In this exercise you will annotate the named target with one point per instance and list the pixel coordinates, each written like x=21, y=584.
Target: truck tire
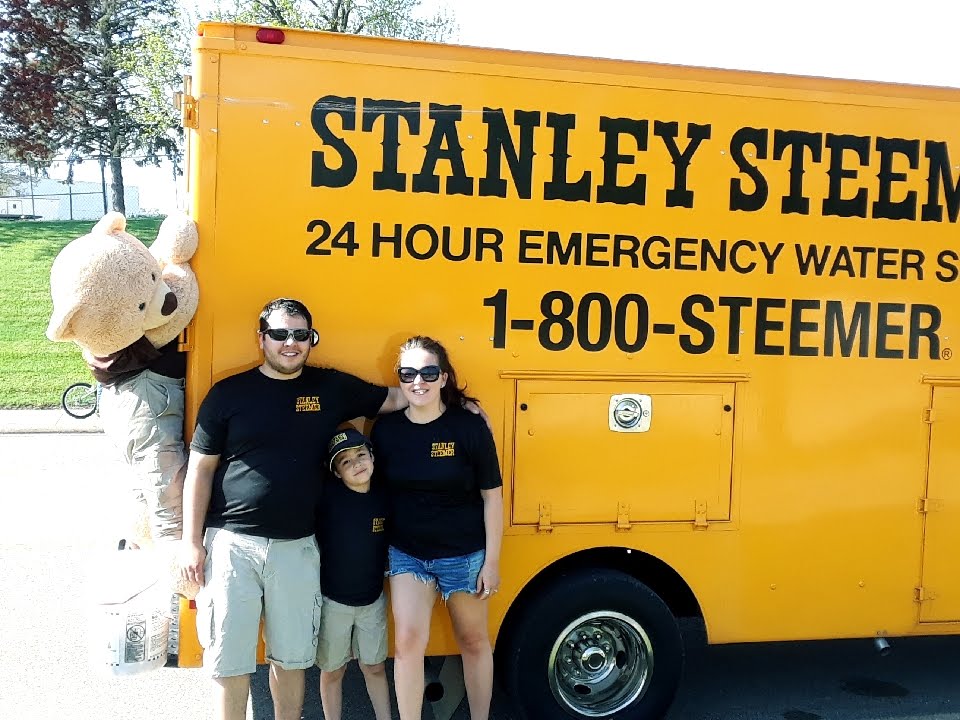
x=594, y=644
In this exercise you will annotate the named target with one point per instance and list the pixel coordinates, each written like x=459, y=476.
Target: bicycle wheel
x=79, y=400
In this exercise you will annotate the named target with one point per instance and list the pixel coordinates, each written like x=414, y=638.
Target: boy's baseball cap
x=346, y=440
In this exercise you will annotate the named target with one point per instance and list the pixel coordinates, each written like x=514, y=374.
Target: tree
x=40, y=65
x=11, y=173
x=87, y=77
x=387, y=18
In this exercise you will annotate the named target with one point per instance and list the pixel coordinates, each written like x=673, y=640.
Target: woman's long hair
x=451, y=394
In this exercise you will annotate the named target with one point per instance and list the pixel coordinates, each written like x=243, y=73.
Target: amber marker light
x=270, y=36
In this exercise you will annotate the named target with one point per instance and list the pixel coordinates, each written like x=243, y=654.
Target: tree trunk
x=116, y=184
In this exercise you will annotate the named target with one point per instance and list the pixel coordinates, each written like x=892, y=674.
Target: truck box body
x=711, y=314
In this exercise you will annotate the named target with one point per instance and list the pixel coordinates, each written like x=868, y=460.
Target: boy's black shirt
x=434, y=473
x=353, y=544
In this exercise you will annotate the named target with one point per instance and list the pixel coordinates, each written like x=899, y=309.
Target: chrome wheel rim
x=600, y=664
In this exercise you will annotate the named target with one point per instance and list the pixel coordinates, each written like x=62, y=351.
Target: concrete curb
x=45, y=421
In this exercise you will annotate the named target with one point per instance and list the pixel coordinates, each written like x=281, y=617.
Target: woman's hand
x=488, y=581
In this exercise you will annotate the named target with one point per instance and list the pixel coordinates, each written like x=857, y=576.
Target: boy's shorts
x=348, y=632
x=452, y=574
x=246, y=576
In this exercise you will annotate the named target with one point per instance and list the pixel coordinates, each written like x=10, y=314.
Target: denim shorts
x=452, y=574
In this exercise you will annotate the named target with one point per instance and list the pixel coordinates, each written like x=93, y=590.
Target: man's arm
x=197, y=487
x=396, y=400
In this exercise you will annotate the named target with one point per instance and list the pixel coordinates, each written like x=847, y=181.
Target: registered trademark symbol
x=946, y=354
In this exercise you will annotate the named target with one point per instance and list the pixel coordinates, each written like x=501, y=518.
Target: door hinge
x=700, y=516
x=187, y=105
x=922, y=594
x=928, y=505
x=185, y=340
x=929, y=415
x=623, y=516
x=544, y=524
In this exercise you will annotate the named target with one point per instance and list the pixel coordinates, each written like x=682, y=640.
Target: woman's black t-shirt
x=271, y=436
x=434, y=472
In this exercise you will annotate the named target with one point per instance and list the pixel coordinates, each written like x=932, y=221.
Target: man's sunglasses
x=428, y=373
x=298, y=334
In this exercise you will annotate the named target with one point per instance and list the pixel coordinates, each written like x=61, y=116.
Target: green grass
x=33, y=370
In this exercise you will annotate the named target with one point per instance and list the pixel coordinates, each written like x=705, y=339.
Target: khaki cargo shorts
x=143, y=417
x=246, y=577
x=348, y=632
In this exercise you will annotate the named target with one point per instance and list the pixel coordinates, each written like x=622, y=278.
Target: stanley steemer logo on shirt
x=308, y=403
x=441, y=449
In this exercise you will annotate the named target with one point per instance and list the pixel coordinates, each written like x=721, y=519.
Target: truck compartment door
x=581, y=451
x=940, y=601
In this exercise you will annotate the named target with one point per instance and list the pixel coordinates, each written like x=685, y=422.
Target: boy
x=353, y=619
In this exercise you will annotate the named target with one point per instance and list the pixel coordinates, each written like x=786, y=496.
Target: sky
x=904, y=41
x=907, y=41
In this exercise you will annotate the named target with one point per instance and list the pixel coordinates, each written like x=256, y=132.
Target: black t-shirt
x=352, y=542
x=271, y=437
x=434, y=473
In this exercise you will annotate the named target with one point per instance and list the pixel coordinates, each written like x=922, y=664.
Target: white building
x=49, y=199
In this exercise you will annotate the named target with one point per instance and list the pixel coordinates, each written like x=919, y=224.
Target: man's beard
x=285, y=369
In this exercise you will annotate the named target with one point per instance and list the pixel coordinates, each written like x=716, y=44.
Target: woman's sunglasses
x=298, y=334
x=428, y=373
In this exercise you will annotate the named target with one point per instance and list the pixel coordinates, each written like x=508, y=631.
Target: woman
x=445, y=525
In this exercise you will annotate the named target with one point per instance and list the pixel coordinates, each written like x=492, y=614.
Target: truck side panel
x=772, y=260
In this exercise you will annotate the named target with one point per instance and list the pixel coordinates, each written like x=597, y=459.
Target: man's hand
x=190, y=559
x=477, y=410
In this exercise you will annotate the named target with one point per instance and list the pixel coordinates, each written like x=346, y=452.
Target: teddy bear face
x=108, y=290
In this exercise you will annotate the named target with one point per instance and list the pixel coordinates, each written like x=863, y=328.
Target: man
x=253, y=479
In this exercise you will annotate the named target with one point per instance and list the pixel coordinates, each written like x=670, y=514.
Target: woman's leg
x=469, y=616
x=412, y=602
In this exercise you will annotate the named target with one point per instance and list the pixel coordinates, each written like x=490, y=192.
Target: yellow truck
x=710, y=314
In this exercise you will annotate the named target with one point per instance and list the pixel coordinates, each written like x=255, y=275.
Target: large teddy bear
x=125, y=306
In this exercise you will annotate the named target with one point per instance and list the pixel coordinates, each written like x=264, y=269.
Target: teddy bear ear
x=59, y=328
x=109, y=224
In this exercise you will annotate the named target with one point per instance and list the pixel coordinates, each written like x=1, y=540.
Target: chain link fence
x=55, y=194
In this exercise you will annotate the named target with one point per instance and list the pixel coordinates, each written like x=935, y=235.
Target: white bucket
x=130, y=619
